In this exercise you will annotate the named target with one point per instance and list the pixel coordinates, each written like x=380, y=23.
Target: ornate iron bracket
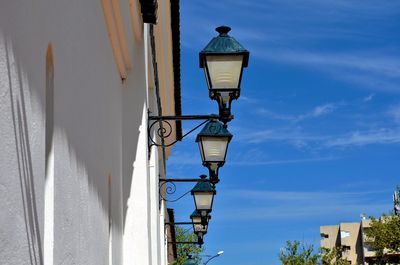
x=164, y=129
x=172, y=189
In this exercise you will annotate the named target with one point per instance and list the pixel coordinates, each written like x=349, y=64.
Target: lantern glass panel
x=203, y=200
x=196, y=219
x=214, y=148
x=201, y=150
x=225, y=96
x=224, y=71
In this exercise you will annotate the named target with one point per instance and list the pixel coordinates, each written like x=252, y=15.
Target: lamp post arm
x=184, y=180
x=186, y=117
x=213, y=257
x=165, y=131
x=172, y=189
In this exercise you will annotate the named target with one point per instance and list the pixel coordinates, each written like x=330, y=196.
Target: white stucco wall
x=21, y=124
x=98, y=203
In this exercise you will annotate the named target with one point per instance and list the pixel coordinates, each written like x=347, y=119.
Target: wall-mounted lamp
x=203, y=195
x=200, y=223
x=223, y=60
x=213, y=143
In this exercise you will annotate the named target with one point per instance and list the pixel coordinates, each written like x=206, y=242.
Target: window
x=344, y=234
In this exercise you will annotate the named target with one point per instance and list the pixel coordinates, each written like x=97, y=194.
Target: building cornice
x=176, y=53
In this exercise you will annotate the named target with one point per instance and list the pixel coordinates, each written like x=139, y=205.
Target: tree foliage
x=183, y=250
x=384, y=237
x=332, y=256
x=295, y=253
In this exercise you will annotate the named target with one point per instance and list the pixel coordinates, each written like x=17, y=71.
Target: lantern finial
x=223, y=30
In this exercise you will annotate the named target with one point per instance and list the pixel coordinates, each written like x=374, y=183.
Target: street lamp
x=203, y=195
x=217, y=255
x=213, y=143
x=223, y=60
x=200, y=223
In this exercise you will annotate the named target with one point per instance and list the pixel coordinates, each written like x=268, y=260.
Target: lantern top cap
x=214, y=129
x=203, y=187
x=224, y=44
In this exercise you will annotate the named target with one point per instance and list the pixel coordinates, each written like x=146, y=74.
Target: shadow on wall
x=24, y=158
x=86, y=128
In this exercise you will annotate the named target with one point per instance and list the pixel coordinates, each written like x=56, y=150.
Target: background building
x=351, y=239
x=346, y=236
x=78, y=183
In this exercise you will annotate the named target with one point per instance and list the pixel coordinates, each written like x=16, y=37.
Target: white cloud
x=275, y=116
x=297, y=138
x=317, y=112
x=290, y=196
x=383, y=136
x=298, y=211
x=275, y=205
x=368, y=69
x=293, y=136
x=253, y=162
x=323, y=110
x=368, y=98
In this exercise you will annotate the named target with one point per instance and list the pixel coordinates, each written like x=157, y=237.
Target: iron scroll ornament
x=165, y=127
x=164, y=131
x=169, y=190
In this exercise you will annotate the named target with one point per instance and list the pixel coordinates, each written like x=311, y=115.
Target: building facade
x=78, y=79
x=347, y=237
x=351, y=239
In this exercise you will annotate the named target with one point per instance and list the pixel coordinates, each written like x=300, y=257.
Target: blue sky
x=316, y=129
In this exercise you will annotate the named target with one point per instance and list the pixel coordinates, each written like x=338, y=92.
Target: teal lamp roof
x=214, y=128
x=203, y=187
x=224, y=44
x=195, y=214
